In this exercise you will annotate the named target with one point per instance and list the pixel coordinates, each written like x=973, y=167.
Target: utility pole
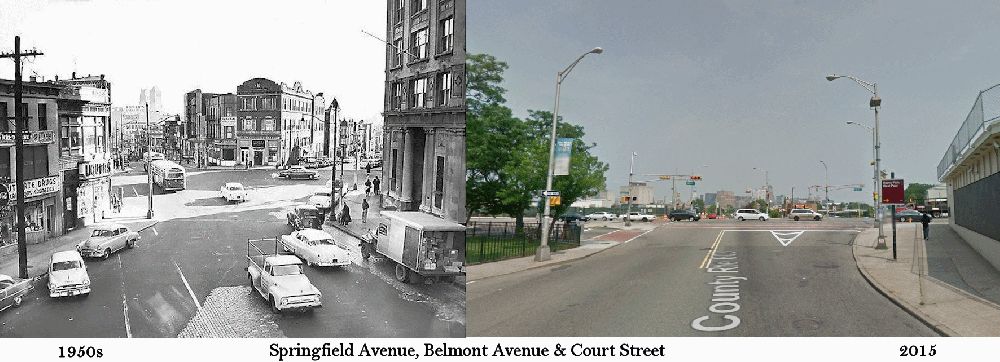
x=628, y=210
x=149, y=165
x=20, y=120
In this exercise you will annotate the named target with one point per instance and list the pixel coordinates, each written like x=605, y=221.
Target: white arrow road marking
x=786, y=237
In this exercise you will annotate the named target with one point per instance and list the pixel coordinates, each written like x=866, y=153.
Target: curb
x=567, y=260
x=937, y=327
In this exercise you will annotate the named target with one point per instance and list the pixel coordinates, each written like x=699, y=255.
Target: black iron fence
x=492, y=241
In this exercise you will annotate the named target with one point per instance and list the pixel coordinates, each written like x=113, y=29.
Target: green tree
x=698, y=204
x=711, y=209
x=916, y=193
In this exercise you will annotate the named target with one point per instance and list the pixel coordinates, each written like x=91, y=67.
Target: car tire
x=130, y=244
x=739, y=218
x=645, y=219
x=274, y=305
x=817, y=218
x=761, y=218
x=795, y=218
x=17, y=301
x=365, y=251
x=402, y=273
x=605, y=218
x=107, y=253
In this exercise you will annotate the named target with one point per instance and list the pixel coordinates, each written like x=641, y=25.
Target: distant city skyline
x=683, y=90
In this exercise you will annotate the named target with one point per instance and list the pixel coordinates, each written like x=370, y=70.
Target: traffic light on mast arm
x=695, y=178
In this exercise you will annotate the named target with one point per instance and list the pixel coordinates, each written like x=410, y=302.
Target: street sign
x=892, y=191
x=550, y=193
x=555, y=201
x=857, y=189
x=690, y=183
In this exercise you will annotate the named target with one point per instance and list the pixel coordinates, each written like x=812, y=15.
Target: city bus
x=167, y=175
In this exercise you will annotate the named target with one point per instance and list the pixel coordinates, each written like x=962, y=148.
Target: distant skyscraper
x=153, y=97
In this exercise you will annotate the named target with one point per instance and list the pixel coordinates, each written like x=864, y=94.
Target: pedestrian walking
x=926, y=220
x=368, y=168
x=364, y=210
x=375, y=183
x=368, y=187
x=345, y=215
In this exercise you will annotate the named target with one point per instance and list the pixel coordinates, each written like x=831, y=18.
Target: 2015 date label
x=81, y=352
x=917, y=351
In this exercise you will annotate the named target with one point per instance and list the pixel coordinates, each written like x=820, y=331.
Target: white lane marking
x=188, y=286
x=128, y=328
x=786, y=238
x=154, y=231
x=640, y=235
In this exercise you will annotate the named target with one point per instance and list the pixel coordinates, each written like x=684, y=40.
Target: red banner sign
x=892, y=191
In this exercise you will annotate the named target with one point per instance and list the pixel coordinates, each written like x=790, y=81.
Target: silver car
x=804, y=214
x=106, y=239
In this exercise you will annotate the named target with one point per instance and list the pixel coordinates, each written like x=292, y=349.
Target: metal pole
x=875, y=187
x=149, y=164
x=542, y=252
x=628, y=209
x=878, y=176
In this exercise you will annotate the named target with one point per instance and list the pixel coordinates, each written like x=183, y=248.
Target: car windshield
x=65, y=265
x=235, y=188
x=280, y=270
x=102, y=233
x=321, y=241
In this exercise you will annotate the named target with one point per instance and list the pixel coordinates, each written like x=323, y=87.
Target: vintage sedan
x=68, y=275
x=305, y=216
x=107, y=239
x=298, y=172
x=233, y=191
x=316, y=247
x=12, y=291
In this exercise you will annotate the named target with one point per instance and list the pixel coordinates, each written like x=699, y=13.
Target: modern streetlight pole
x=874, y=168
x=542, y=252
x=628, y=209
x=826, y=186
x=874, y=103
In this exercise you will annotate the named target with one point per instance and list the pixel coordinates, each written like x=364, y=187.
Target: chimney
x=102, y=76
x=74, y=75
x=57, y=77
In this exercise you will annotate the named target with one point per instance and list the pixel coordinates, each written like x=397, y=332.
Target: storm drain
x=232, y=312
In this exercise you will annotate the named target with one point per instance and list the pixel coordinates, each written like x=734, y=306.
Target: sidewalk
x=940, y=281
x=357, y=228
x=587, y=248
x=38, y=254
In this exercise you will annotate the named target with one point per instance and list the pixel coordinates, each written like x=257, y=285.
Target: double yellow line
x=711, y=251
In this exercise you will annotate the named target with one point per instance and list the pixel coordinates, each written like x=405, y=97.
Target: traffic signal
x=664, y=177
x=696, y=178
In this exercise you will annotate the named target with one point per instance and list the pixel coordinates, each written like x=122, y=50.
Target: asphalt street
x=707, y=278
x=187, y=277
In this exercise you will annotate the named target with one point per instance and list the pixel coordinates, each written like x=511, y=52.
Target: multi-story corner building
x=43, y=183
x=424, y=134
x=85, y=150
x=220, y=128
x=273, y=122
x=196, y=126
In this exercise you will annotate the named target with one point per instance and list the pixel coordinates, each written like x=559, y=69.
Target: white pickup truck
x=636, y=216
x=234, y=191
x=279, y=279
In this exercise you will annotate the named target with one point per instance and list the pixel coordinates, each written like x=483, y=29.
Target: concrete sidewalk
x=586, y=248
x=357, y=227
x=911, y=282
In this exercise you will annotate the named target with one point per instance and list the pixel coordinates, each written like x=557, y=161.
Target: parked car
x=321, y=198
x=635, y=216
x=298, y=172
x=309, y=162
x=304, y=216
x=315, y=247
x=106, y=239
x=909, y=215
x=233, y=191
x=12, y=291
x=374, y=162
x=603, y=215
x=68, y=275
x=572, y=217
x=750, y=214
x=325, y=162
x=678, y=215
x=804, y=214
x=713, y=216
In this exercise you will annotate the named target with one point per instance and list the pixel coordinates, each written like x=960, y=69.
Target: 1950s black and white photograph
x=232, y=168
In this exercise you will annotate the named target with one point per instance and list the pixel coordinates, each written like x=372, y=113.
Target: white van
x=750, y=214
x=68, y=275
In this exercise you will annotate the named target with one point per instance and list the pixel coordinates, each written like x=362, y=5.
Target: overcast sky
x=181, y=45
x=740, y=84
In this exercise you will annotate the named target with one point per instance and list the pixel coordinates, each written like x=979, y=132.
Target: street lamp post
x=874, y=103
x=874, y=168
x=628, y=209
x=542, y=252
x=826, y=186
x=149, y=161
